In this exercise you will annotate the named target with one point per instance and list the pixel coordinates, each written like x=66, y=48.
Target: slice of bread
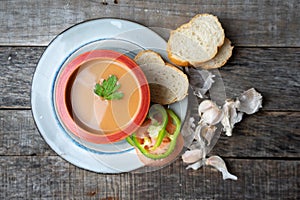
x=220, y=59
x=196, y=41
x=167, y=83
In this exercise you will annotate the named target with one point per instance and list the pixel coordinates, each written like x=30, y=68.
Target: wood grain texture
x=272, y=71
x=265, y=134
x=19, y=135
x=247, y=23
x=263, y=151
x=50, y=177
x=17, y=69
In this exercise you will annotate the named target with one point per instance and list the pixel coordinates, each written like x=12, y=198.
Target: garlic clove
x=218, y=163
x=249, y=101
x=205, y=105
x=196, y=165
x=192, y=156
x=210, y=113
x=212, y=116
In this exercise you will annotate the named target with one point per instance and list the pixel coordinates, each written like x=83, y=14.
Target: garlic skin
x=188, y=132
x=218, y=163
x=231, y=116
x=209, y=112
x=249, y=101
x=200, y=80
x=208, y=81
x=206, y=132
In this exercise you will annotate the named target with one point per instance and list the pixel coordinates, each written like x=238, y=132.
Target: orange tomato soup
x=92, y=112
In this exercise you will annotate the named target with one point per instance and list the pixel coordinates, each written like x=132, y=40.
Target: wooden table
x=263, y=151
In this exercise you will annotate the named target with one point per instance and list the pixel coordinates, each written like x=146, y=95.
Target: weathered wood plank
x=50, y=177
x=263, y=151
x=19, y=135
x=265, y=134
x=247, y=23
x=274, y=74
x=17, y=69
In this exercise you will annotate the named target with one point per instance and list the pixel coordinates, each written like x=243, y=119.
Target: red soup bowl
x=99, y=119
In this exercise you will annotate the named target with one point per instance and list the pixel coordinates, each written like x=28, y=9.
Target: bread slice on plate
x=196, y=41
x=220, y=59
x=167, y=83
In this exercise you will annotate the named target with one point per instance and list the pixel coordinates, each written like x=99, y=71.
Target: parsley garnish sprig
x=108, y=89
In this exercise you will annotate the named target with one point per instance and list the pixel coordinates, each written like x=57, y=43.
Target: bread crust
x=182, y=62
x=141, y=53
x=223, y=55
x=162, y=93
x=177, y=61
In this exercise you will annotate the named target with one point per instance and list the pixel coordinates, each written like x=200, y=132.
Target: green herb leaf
x=108, y=89
x=115, y=95
x=111, y=82
x=98, y=90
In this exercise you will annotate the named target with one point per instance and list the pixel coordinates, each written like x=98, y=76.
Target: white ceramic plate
x=120, y=35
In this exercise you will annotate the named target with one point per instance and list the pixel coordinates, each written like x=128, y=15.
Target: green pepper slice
x=130, y=141
x=159, y=120
x=168, y=141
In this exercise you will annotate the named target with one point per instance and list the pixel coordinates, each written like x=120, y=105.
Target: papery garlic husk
x=208, y=78
x=188, y=132
x=219, y=164
x=249, y=101
x=231, y=116
x=198, y=143
x=200, y=80
x=206, y=132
